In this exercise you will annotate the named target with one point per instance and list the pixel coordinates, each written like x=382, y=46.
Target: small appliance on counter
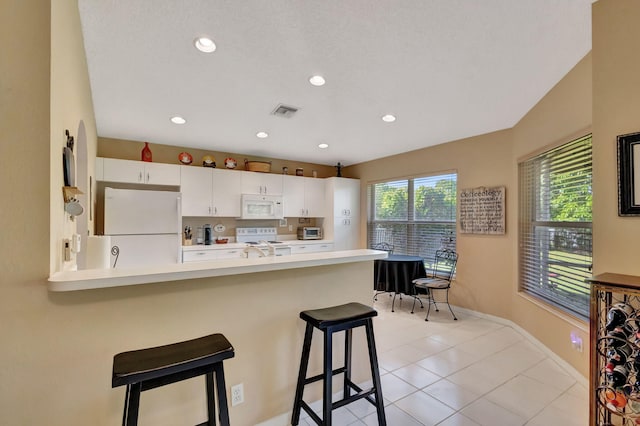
x=309, y=233
x=208, y=235
x=264, y=239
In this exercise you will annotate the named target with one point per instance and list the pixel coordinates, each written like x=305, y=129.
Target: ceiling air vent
x=285, y=111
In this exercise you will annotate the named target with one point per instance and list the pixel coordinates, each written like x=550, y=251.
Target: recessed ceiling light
x=323, y=145
x=205, y=44
x=317, y=80
x=178, y=120
x=388, y=118
x=262, y=135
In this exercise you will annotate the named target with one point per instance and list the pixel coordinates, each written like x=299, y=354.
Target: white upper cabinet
x=227, y=188
x=345, y=197
x=130, y=171
x=303, y=197
x=314, y=197
x=197, y=191
x=293, y=190
x=210, y=192
x=261, y=183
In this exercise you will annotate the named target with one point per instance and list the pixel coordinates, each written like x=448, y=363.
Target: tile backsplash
x=231, y=224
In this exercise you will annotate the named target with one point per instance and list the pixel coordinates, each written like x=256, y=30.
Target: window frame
x=535, y=226
x=410, y=224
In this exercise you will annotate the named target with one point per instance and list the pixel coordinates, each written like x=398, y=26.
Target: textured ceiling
x=448, y=69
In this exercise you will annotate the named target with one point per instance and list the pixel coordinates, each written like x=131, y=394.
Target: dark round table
x=396, y=273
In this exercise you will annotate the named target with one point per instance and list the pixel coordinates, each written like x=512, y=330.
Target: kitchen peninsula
x=254, y=302
x=103, y=278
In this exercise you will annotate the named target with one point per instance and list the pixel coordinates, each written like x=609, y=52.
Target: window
x=417, y=216
x=555, y=226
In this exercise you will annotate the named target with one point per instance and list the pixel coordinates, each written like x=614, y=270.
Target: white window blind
x=555, y=226
x=417, y=216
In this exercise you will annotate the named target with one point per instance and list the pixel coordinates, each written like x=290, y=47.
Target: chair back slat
x=384, y=246
x=445, y=264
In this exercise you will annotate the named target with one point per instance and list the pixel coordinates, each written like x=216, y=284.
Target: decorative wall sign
x=629, y=174
x=482, y=210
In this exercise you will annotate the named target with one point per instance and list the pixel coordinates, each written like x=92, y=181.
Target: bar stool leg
x=222, y=394
x=302, y=374
x=375, y=373
x=211, y=403
x=132, y=404
x=347, y=363
x=328, y=375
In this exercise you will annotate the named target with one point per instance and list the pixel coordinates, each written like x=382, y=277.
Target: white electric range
x=263, y=239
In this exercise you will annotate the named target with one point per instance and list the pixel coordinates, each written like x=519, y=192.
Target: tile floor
x=463, y=373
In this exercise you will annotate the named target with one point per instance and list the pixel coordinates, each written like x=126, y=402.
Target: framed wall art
x=629, y=174
x=482, y=210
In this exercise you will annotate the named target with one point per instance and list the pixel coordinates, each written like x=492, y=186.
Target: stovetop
x=255, y=243
x=257, y=236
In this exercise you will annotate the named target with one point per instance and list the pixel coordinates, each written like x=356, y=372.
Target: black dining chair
x=439, y=277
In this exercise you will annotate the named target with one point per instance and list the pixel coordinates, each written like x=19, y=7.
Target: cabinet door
x=346, y=197
x=325, y=247
x=227, y=186
x=131, y=171
x=230, y=254
x=293, y=196
x=314, y=197
x=197, y=256
x=261, y=183
x=345, y=233
x=161, y=174
x=127, y=171
x=196, y=188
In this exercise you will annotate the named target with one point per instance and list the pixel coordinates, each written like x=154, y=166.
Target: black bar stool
x=150, y=368
x=329, y=321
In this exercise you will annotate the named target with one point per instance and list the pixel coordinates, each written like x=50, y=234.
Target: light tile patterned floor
x=463, y=373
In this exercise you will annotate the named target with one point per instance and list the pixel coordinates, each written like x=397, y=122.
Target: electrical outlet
x=576, y=342
x=237, y=394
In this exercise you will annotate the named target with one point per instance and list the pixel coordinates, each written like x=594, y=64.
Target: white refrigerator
x=145, y=226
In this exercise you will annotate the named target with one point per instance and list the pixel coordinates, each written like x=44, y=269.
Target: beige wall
x=480, y=161
x=616, y=111
x=486, y=279
x=71, y=105
x=130, y=150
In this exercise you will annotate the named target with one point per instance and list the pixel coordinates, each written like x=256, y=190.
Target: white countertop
x=243, y=245
x=104, y=278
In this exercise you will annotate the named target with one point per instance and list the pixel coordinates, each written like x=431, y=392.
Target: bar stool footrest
x=321, y=376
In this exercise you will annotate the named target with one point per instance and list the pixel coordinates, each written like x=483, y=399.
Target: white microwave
x=256, y=206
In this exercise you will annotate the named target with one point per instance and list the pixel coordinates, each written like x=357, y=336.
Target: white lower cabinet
x=213, y=253
x=312, y=247
x=197, y=256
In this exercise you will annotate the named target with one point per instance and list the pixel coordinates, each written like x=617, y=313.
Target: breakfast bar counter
x=103, y=278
